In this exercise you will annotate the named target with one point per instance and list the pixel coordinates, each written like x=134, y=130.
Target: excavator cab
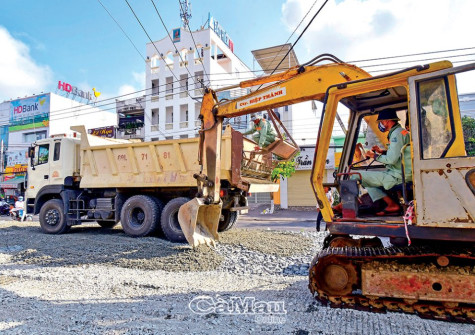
x=435, y=189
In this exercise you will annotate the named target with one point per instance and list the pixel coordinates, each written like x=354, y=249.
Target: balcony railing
x=154, y=127
x=168, y=126
x=184, y=64
x=197, y=123
x=198, y=61
x=154, y=98
x=183, y=94
x=184, y=124
x=154, y=70
x=169, y=96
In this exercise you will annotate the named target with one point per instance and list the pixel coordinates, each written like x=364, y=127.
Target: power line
x=418, y=60
x=409, y=55
x=146, y=33
x=77, y=109
x=130, y=40
x=171, y=39
x=308, y=12
x=236, y=72
x=300, y=36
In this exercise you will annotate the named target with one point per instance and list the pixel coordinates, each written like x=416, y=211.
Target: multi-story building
x=178, y=71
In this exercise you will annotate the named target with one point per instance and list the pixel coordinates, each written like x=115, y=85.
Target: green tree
x=284, y=169
x=468, y=125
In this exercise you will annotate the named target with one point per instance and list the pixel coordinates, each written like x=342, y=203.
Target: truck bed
x=168, y=163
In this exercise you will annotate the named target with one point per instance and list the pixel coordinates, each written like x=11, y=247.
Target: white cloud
x=356, y=29
x=139, y=78
x=127, y=89
x=20, y=75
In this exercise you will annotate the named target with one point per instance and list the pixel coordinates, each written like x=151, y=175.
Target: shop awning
x=12, y=183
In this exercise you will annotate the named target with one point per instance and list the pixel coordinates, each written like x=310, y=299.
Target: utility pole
x=1, y=159
x=185, y=12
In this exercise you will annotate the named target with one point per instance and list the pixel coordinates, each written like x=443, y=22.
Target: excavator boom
x=304, y=84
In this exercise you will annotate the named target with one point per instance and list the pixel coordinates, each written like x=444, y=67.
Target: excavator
x=418, y=261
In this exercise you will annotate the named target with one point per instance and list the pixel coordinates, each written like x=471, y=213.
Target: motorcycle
x=18, y=215
x=5, y=209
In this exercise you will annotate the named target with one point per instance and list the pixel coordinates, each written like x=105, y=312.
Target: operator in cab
x=377, y=182
x=262, y=131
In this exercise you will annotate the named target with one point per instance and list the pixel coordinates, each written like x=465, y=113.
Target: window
x=155, y=87
x=57, y=150
x=42, y=154
x=32, y=137
x=436, y=126
x=155, y=116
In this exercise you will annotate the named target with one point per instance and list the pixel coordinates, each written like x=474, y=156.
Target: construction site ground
x=95, y=280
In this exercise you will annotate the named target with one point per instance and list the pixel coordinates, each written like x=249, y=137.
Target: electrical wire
x=409, y=55
x=130, y=40
x=300, y=36
x=171, y=39
x=77, y=109
x=308, y=12
x=146, y=33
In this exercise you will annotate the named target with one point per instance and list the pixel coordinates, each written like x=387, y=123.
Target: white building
x=26, y=120
x=176, y=74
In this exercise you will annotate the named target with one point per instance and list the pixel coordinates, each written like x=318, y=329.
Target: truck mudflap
x=199, y=221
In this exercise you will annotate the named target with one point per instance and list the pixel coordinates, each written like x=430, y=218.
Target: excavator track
x=434, y=282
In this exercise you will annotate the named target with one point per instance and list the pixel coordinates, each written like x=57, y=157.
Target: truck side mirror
x=31, y=154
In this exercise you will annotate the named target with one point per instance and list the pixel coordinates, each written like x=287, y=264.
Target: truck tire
x=52, y=217
x=158, y=230
x=169, y=220
x=139, y=216
x=106, y=224
x=227, y=220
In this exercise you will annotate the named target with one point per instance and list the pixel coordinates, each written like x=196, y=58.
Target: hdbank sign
x=29, y=113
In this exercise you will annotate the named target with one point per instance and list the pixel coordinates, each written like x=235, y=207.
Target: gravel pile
x=98, y=281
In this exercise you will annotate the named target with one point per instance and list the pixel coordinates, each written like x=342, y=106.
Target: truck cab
x=54, y=163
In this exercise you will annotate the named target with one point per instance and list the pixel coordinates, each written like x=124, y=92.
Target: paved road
x=279, y=220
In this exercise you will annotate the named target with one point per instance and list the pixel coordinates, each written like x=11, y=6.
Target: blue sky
x=43, y=41
x=81, y=44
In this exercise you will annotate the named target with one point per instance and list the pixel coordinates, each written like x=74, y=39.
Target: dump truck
x=429, y=266
x=85, y=178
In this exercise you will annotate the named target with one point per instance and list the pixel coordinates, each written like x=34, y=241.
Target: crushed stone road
x=95, y=280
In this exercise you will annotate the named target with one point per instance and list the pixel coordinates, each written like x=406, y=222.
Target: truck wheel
x=106, y=224
x=139, y=216
x=169, y=220
x=227, y=220
x=52, y=217
x=160, y=205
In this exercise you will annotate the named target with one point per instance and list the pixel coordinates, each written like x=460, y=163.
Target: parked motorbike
x=5, y=209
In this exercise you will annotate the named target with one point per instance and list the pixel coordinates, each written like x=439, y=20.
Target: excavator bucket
x=199, y=222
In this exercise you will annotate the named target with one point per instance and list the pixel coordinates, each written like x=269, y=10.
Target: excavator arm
x=199, y=218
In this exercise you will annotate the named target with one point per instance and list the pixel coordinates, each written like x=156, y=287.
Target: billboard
x=29, y=113
x=16, y=157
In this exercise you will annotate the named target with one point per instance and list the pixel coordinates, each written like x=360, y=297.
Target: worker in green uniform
x=262, y=131
x=376, y=182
